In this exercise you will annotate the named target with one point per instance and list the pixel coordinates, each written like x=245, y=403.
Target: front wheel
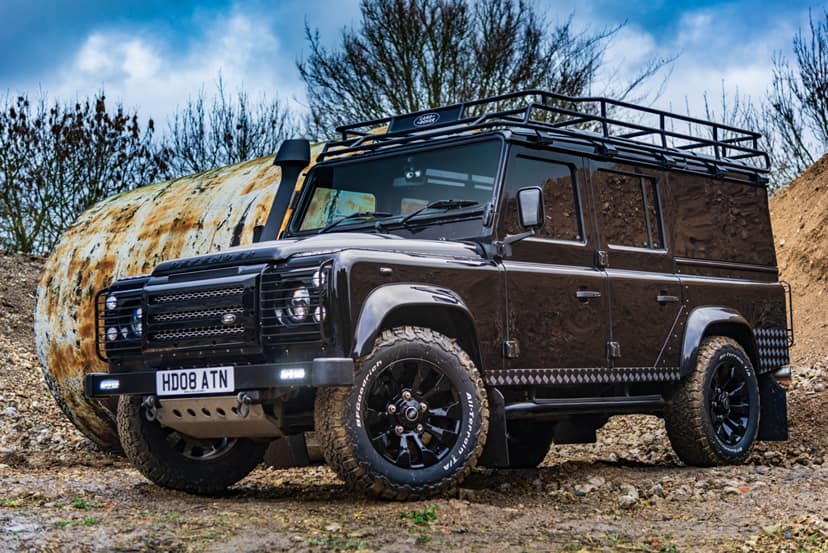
x=713, y=415
x=415, y=421
x=174, y=460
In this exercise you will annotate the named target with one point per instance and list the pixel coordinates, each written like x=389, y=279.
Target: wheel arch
x=716, y=321
x=427, y=306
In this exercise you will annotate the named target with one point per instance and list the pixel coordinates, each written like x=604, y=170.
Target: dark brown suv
x=466, y=288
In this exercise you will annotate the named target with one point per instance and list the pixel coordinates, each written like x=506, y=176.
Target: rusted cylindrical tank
x=128, y=234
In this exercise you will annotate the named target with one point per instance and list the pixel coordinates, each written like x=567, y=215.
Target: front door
x=558, y=301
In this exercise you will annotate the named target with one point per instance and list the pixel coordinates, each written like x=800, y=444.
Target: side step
x=542, y=408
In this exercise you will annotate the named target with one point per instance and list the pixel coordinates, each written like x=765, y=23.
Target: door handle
x=662, y=299
x=586, y=295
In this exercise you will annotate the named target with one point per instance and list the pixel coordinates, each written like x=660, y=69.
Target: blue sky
x=152, y=55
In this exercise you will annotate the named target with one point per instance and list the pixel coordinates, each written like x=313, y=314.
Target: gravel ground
x=628, y=492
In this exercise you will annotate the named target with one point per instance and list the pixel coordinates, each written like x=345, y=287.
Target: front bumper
x=323, y=371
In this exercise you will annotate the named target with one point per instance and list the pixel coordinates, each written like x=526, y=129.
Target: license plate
x=194, y=381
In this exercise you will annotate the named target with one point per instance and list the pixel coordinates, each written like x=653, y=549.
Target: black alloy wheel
x=729, y=402
x=412, y=414
x=197, y=449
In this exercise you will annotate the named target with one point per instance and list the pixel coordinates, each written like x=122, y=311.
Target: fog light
x=112, y=333
x=319, y=314
x=109, y=385
x=318, y=279
x=111, y=302
x=291, y=374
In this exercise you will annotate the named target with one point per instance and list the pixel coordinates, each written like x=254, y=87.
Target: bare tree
x=798, y=101
x=57, y=160
x=212, y=133
x=409, y=55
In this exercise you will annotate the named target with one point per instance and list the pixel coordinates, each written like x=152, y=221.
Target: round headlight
x=299, y=305
x=111, y=333
x=111, y=302
x=137, y=327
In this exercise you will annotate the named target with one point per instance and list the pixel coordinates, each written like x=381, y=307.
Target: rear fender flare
x=722, y=321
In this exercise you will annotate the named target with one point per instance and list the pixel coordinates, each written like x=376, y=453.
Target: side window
x=628, y=210
x=560, y=196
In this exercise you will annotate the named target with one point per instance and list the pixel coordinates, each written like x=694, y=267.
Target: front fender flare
x=384, y=300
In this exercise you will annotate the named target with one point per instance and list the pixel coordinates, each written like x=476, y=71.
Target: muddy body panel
x=127, y=235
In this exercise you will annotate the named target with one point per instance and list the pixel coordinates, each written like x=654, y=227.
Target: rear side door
x=558, y=307
x=645, y=294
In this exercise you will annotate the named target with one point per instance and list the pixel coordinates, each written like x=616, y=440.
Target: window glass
x=402, y=183
x=328, y=204
x=628, y=210
x=653, y=215
x=560, y=196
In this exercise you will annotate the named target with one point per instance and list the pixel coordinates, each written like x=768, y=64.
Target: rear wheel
x=413, y=424
x=174, y=460
x=713, y=415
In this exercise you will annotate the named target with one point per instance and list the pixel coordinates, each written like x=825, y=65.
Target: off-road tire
x=346, y=444
x=528, y=443
x=688, y=416
x=145, y=445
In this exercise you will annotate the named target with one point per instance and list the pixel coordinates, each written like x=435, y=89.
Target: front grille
x=168, y=335
x=187, y=296
x=203, y=316
x=186, y=315
x=279, y=328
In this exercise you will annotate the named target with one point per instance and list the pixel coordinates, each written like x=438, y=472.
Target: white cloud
x=145, y=73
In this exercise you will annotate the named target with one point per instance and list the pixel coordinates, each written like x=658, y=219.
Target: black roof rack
x=613, y=127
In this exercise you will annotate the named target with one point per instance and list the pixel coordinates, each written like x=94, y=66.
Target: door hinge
x=602, y=259
x=613, y=350
x=511, y=349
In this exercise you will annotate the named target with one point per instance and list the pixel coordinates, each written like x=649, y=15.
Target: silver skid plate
x=217, y=417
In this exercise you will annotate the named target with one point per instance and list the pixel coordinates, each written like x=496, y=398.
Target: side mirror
x=530, y=207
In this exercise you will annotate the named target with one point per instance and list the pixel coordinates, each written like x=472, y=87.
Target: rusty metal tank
x=128, y=234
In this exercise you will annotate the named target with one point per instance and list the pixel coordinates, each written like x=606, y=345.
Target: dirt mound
x=32, y=429
x=799, y=213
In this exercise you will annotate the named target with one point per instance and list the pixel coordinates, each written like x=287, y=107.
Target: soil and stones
x=628, y=492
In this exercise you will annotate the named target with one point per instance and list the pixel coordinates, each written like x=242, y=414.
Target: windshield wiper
x=439, y=204
x=357, y=215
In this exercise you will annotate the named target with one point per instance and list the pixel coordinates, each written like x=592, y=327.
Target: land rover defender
x=465, y=287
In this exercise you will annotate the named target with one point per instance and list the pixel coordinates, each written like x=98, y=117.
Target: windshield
x=454, y=179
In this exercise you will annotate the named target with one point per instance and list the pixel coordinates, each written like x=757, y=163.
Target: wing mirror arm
x=532, y=216
x=504, y=247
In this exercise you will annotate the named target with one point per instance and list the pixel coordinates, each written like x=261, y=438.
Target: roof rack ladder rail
x=716, y=152
x=661, y=125
x=604, y=125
